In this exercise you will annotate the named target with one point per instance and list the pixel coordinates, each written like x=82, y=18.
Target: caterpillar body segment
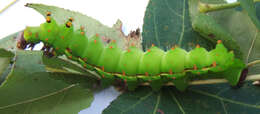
x=134, y=66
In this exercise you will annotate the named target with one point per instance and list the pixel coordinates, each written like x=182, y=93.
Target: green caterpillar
x=134, y=66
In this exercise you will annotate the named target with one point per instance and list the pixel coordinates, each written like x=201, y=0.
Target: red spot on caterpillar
x=57, y=48
x=172, y=48
x=152, y=45
x=219, y=41
x=36, y=35
x=30, y=33
x=84, y=59
x=170, y=71
x=149, y=50
x=111, y=47
x=85, y=65
x=195, y=67
x=97, y=35
x=46, y=39
x=103, y=68
x=197, y=46
x=49, y=30
x=95, y=41
x=129, y=50
x=114, y=41
x=82, y=33
x=146, y=74
x=214, y=64
x=62, y=37
x=103, y=76
x=123, y=73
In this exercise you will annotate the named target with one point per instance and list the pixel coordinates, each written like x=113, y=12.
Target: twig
x=2, y=10
x=205, y=7
x=253, y=63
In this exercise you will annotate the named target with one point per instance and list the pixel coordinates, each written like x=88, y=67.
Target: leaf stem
x=7, y=6
x=205, y=7
x=253, y=63
x=212, y=81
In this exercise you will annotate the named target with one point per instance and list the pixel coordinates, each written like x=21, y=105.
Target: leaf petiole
x=205, y=7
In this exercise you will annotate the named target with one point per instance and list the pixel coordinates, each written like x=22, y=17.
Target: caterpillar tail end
x=236, y=74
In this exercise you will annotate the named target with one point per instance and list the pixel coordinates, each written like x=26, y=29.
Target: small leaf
x=30, y=89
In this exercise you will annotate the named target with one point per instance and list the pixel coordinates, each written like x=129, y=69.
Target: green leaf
x=167, y=23
x=9, y=42
x=202, y=99
x=4, y=65
x=91, y=25
x=249, y=7
x=30, y=89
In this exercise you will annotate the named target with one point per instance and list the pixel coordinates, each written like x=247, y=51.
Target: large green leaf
x=92, y=26
x=204, y=99
x=167, y=23
x=30, y=89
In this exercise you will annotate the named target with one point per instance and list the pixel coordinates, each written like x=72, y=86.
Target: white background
x=130, y=12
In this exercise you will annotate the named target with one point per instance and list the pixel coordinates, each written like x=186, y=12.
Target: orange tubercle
x=49, y=30
x=97, y=35
x=111, y=47
x=82, y=33
x=195, y=67
x=146, y=74
x=103, y=68
x=48, y=19
x=95, y=41
x=214, y=64
x=197, y=46
x=123, y=73
x=152, y=45
x=129, y=50
x=219, y=41
x=62, y=37
x=148, y=50
x=170, y=71
x=46, y=39
x=48, y=13
x=71, y=19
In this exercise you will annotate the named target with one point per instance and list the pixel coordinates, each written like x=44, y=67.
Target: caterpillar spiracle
x=133, y=65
